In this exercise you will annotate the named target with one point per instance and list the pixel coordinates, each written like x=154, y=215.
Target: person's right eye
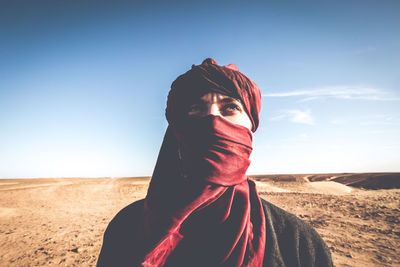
x=195, y=109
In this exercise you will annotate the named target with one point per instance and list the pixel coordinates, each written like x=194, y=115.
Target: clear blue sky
x=83, y=84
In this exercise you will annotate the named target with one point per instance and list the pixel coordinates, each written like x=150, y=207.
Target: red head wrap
x=200, y=209
x=210, y=77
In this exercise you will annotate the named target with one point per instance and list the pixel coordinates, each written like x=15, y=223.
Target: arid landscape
x=60, y=221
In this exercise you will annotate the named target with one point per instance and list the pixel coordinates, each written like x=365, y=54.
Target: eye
x=195, y=109
x=232, y=107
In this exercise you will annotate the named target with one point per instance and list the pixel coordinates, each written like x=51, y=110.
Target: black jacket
x=289, y=241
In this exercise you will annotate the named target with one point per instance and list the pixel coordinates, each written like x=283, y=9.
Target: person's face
x=217, y=104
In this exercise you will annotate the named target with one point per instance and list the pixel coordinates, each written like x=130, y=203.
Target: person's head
x=210, y=89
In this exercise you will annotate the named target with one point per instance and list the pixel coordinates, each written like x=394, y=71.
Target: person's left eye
x=232, y=107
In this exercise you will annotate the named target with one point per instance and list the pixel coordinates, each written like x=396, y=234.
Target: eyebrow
x=228, y=99
x=225, y=99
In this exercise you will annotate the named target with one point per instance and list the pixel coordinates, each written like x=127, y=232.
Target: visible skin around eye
x=217, y=104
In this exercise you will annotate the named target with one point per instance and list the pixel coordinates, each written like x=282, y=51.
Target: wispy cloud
x=296, y=116
x=338, y=121
x=383, y=119
x=339, y=92
x=377, y=119
x=366, y=49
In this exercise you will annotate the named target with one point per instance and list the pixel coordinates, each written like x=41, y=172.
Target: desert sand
x=61, y=221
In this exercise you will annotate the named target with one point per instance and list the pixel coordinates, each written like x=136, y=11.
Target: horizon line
x=149, y=176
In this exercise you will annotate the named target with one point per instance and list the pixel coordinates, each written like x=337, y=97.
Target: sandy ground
x=61, y=221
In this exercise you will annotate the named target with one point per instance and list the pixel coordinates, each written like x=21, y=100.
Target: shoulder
x=292, y=241
x=123, y=228
x=127, y=216
x=121, y=236
x=282, y=220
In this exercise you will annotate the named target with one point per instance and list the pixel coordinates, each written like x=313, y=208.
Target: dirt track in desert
x=61, y=221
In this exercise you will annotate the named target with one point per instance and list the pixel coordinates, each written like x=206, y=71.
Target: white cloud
x=296, y=116
x=337, y=121
x=339, y=92
x=382, y=119
x=364, y=50
x=377, y=119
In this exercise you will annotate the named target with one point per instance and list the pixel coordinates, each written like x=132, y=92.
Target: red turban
x=210, y=77
x=201, y=209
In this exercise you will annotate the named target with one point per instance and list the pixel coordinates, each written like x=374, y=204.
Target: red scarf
x=200, y=206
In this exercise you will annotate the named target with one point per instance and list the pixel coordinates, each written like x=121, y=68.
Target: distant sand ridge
x=320, y=187
x=61, y=221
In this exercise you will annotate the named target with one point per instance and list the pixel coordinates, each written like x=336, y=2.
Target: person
x=201, y=209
